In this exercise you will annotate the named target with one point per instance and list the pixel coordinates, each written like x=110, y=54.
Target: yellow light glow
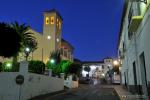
x=52, y=20
x=47, y=20
x=59, y=25
x=57, y=22
x=115, y=62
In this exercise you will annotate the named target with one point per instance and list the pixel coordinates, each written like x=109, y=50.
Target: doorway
x=143, y=73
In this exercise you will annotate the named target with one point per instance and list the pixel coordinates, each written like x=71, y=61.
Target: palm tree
x=10, y=41
x=27, y=38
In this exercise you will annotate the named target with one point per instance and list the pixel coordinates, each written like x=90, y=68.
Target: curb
x=40, y=97
x=119, y=96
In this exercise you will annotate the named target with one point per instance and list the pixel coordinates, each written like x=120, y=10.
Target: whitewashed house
x=134, y=46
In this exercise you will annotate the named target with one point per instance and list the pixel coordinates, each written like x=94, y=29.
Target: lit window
x=47, y=20
x=59, y=25
x=52, y=20
x=57, y=22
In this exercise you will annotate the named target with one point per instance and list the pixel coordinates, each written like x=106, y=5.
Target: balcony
x=134, y=23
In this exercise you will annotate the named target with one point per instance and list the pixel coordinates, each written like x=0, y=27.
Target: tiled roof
x=53, y=10
x=66, y=42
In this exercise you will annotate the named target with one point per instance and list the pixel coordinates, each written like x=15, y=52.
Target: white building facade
x=97, y=68
x=134, y=47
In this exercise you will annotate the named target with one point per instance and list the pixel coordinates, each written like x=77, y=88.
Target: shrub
x=36, y=67
x=1, y=68
x=13, y=44
x=8, y=66
x=15, y=67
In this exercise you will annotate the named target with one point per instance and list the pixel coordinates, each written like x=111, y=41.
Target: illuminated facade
x=98, y=68
x=51, y=39
x=134, y=47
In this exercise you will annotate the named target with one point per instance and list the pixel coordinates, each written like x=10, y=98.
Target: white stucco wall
x=33, y=85
x=134, y=48
x=70, y=83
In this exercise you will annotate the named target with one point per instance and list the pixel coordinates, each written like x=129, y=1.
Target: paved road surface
x=87, y=92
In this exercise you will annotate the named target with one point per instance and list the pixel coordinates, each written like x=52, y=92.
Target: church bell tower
x=52, y=29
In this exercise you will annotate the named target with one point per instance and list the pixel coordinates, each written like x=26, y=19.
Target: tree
x=62, y=67
x=87, y=69
x=55, y=55
x=32, y=46
x=1, y=68
x=27, y=39
x=10, y=41
x=75, y=68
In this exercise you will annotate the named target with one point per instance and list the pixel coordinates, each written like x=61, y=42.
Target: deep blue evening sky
x=91, y=26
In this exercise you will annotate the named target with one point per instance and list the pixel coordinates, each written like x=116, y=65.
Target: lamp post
x=27, y=52
x=115, y=62
x=52, y=61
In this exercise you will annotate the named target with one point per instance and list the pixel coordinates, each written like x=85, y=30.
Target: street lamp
x=27, y=49
x=115, y=62
x=27, y=52
x=52, y=61
x=8, y=65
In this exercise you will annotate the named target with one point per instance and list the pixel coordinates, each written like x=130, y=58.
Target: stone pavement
x=122, y=93
x=126, y=95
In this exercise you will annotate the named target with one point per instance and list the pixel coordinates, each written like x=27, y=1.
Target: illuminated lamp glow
x=52, y=61
x=27, y=49
x=115, y=62
x=48, y=37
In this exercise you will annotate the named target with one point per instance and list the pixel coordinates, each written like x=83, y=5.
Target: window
x=130, y=15
x=61, y=51
x=134, y=73
x=143, y=69
x=52, y=20
x=143, y=73
x=59, y=25
x=65, y=53
x=102, y=66
x=124, y=47
x=69, y=54
x=57, y=22
x=129, y=21
x=47, y=20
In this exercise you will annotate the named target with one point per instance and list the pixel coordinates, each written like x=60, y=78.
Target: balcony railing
x=134, y=24
x=134, y=21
